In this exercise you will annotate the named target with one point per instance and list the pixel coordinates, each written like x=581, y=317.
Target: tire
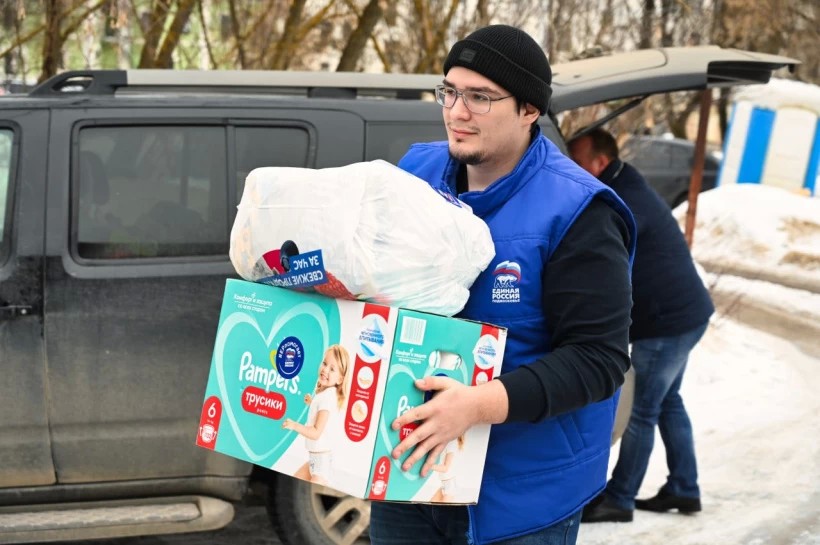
x=308, y=514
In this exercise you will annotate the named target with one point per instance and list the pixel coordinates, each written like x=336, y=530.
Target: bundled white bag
x=367, y=231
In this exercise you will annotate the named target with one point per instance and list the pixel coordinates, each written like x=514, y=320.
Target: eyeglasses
x=476, y=102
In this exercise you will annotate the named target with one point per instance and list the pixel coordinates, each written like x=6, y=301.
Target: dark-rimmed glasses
x=475, y=101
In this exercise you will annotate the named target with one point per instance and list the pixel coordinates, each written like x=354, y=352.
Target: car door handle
x=13, y=311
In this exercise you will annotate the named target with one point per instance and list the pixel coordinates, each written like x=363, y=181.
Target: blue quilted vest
x=535, y=474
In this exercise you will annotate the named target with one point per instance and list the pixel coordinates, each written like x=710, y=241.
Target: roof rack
x=312, y=84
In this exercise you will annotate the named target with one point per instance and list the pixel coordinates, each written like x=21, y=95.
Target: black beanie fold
x=509, y=57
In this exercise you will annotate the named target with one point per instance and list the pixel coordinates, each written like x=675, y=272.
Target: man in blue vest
x=670, y=313
x=559, y=282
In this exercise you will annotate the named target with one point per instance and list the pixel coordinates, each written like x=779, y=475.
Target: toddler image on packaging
x=329, y=397
x=446, y=471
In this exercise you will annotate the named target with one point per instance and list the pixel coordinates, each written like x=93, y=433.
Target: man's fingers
x=432, y=459
x=421, y=450
x=435, y=383
x=412, y=439
x=416, y=414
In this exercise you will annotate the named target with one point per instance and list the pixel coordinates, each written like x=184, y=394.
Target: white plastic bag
x=368, y=231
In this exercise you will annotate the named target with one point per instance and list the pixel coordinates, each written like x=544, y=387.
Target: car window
x=266, y=147
x=151, y=191
x=390, y=141
x=163, y=190
x=6, y=140
x=647, y=154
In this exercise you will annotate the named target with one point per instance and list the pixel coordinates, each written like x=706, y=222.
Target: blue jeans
x=659, y=366
x=416, y=524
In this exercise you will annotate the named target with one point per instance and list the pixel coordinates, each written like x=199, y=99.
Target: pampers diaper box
x=308, y=386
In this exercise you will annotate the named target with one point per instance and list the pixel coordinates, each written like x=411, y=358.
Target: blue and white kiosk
x=773, y=137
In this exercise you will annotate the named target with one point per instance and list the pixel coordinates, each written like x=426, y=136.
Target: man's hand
x=453, y=410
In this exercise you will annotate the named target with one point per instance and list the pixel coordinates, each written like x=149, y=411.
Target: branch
x=22, y=40
x=239, y=41
x=72, y=27
x=279, y=60
x=357, y=40
x=440, y=35
x=382, y=56
x=208, y=46
x=313, y=22
x=174, y=33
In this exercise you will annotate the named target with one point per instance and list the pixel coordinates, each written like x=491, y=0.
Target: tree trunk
x=171, y=41
x=358, y=39
x=667, y=38
x=283, y=49
x=237, y=35
x=606, y=23
x=434, y=36
x=677, y=121
x=646, y=24
x=153, y=33
x=52, y=44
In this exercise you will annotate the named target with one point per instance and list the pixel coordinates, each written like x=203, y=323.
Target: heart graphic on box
x=400, y=396
x=245, y=356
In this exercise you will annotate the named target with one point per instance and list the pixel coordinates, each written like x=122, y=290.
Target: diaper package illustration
x=308, y=386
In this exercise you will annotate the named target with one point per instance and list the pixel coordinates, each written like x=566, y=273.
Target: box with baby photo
x=307, y=385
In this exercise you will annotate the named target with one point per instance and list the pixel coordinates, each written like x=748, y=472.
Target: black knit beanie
x=509, y=57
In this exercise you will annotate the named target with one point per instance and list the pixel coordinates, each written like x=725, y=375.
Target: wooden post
x=696, y=179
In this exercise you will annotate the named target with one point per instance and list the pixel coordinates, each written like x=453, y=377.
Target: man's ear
x=601, y=162
x=531, y=113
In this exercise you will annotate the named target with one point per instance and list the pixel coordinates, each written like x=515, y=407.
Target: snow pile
x=782, y=92
x=758, y=232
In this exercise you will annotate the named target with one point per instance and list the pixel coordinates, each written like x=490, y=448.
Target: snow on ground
x=752, y=383
x=758, y=232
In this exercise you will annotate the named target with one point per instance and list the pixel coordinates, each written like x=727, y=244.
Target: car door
x=653, y=71
x=142, y=204
x=25, y=448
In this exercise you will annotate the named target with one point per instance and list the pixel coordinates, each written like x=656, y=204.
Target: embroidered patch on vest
x=506, y=277
x=449, y=197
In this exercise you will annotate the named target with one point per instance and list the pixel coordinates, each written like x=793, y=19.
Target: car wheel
x=307, y=514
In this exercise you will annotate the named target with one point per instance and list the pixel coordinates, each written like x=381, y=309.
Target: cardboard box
x=265, y=375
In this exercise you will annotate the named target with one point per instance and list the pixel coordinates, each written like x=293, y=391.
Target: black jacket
x=668, y=295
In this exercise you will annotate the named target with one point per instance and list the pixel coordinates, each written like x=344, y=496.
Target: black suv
x=117, y=194
x=667, y=165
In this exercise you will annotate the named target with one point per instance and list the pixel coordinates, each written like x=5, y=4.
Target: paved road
x=249, y=527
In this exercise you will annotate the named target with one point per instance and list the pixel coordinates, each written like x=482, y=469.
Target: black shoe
x=666, y=502
x=601, y=509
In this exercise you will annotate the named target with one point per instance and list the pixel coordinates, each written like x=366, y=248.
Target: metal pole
x=696, y=179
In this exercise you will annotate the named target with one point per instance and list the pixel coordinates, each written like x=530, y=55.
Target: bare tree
x=160, y=44
x=647, y=27
x=174, y=33
x=52, y=56
x=357, y=41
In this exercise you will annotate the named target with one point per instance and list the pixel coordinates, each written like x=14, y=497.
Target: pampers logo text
x=250, y=372
x=506, y=277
